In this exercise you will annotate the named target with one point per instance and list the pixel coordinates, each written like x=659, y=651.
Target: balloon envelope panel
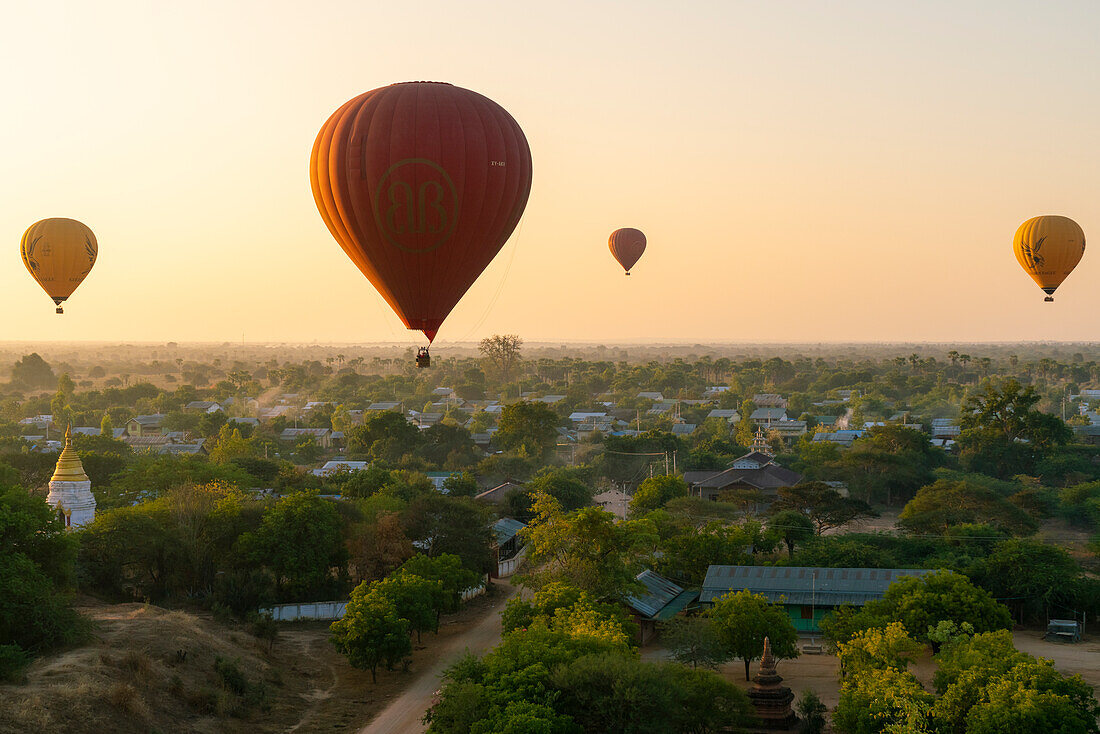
x=59, y=253
x=421, y=183
x=1048, y=248
x=627, y=245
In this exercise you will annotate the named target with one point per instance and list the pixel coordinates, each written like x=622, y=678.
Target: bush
x=13, y=661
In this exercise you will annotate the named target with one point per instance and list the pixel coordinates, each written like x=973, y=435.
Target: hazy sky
x=803, y=170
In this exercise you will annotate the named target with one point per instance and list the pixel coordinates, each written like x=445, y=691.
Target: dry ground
x=819, y=672
x=150, y=669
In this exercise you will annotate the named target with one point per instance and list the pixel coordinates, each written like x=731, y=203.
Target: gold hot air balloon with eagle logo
x=1048, y=248
x=59, y=253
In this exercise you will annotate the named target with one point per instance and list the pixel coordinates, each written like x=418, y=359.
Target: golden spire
x=69, y=468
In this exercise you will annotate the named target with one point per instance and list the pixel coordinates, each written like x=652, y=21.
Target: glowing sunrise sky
x=804, y=171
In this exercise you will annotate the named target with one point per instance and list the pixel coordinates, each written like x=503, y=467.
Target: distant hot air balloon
x=1049, y=248
x=627, y=245
x=421, y=183
x=59, y=253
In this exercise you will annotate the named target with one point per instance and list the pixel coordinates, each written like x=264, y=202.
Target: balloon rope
x=500, y=287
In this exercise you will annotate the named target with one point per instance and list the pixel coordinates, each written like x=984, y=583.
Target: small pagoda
x=760, y=443
x=771, y=700
x=70, y=489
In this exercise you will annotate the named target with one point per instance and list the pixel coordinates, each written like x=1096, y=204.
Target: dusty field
x=819, y=672
x=149, y=669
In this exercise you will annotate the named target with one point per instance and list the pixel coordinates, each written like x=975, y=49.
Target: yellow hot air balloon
x=1048, y=248
x=59, y=253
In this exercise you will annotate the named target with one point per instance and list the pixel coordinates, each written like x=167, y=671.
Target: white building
x=70, y=489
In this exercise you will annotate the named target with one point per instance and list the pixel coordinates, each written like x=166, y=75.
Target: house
x=550, y=399
x=843, y=438
x=713, y=391
x=945, y=428
x=769, y=400
x=387, y=405
x=807, y=594
x=582, y=417
x=276, y=411
x=424, y=420
x=726, y=414
x=144, y=425
x=1088, y=434
x=320, y=436
x=661, y=601
x=789, y=430
x=656, y=396
x=506, y=537
x=499, y=493
x=683, y=429
x=338, y=466
x=182, y=449
x=86, y=431
x=661, y=408
x=764, y=417
x=203, y=406
x=615, y=501
x=254, y=422
x=42, y=422
x=754, y=471
x=146, y=443
x=438, y=477
x=443, y=392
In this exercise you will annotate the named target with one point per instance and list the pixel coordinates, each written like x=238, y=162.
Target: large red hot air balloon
x=421, y=183
x=627, y=245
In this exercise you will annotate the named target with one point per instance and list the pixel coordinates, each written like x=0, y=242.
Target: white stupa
x=70, y=488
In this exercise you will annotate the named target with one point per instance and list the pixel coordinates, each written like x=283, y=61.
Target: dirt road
x=402, y=715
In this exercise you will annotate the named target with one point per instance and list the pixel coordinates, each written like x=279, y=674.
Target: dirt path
x=403, y=714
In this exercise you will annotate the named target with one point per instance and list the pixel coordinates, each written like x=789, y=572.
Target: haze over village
x=585, y=368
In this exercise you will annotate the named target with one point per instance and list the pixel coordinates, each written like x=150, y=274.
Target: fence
x=509, y=566
x=333, y=610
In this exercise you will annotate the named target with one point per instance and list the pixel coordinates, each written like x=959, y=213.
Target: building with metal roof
x=661, y=601
x=807, y=593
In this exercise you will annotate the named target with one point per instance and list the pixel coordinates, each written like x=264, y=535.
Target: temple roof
x=69, y=468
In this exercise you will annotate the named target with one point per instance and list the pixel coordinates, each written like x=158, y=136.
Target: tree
x=371, y=632
x=586, y=549
x=743, y=619
x=824, y=505
x=106, y=427
x=502, y=350
x=1031, y=576
x=812, y=712
x=878, y=693
x=922, y=602
x=616, y=693
x=459, y=526
x=694, y=641
x=417, y=600
x=528, y=429
x=230, y=446
x=947, y=502
x=889, y=461
x=746, y=429
x=792, y=527
x=988, y=686
x=1003, y=435
x=655, y=492
x=376, y=548
x=448, y=571
x=299, y=539
x=461, y=485
x=562, y=608
x=385, y=435
x=32, y=372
